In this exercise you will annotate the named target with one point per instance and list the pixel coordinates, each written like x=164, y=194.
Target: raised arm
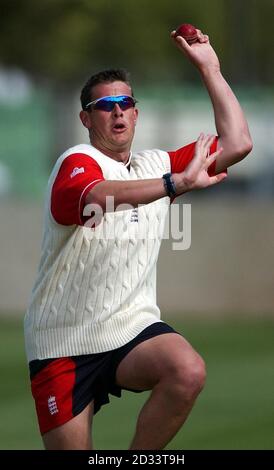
x=231, y=124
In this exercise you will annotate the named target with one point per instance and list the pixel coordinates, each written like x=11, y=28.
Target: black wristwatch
x=169, y=184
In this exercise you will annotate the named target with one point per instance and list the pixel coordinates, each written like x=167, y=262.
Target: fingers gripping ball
x=188, y=32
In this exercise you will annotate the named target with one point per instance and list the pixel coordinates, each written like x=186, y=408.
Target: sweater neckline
x=126, y=165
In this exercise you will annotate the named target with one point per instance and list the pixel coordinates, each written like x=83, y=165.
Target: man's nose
x=117, y=110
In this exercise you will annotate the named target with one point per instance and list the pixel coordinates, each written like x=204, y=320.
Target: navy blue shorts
x=63, y=387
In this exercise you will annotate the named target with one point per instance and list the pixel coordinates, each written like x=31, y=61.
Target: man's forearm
x=231, y=125
x=136, y=192
x=127, y=192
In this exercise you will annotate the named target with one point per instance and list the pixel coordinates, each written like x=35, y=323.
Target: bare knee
x=186, y=380
x=193, y=377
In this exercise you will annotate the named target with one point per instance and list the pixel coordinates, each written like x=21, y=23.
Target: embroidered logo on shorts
x=134, y=215
x=52, y=406
x=76, y=171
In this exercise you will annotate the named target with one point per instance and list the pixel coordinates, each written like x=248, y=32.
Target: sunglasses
x=107, y=103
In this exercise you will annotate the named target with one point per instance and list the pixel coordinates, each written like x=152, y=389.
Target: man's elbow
x=234, y=152
x=247, y=146
x=242, y=149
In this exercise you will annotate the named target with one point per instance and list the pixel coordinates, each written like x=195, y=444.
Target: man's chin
x=122, y=142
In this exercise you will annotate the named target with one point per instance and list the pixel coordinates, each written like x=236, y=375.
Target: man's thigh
x=148, y=362
x=73, y=435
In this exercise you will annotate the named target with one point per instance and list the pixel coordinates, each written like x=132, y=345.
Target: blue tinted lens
x=108, y=103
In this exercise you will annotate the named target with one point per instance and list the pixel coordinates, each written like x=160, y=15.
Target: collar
x=127, y=164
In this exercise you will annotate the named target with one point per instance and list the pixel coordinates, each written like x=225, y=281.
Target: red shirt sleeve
x=77, y=175
x=179, y=159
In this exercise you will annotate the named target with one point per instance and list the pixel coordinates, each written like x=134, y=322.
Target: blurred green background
x=219, y=293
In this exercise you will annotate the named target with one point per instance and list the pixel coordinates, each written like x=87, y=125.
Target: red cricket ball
x=188, y=32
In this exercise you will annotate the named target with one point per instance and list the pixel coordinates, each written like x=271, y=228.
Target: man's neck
x=122, y=156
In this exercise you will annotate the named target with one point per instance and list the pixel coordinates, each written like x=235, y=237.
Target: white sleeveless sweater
x=95, y=292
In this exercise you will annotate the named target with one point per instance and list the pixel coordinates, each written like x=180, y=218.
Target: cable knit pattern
x=95, y=292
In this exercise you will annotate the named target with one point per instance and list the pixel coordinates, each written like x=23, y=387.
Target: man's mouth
x=119, y=127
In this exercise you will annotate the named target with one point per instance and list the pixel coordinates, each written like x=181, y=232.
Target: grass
x=235, y=410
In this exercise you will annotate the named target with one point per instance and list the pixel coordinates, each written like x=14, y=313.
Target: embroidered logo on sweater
x=76, y=171
x=52, y=405
x=134, y=215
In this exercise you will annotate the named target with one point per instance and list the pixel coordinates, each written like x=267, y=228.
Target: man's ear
x=136, y=112
x=85, y=118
